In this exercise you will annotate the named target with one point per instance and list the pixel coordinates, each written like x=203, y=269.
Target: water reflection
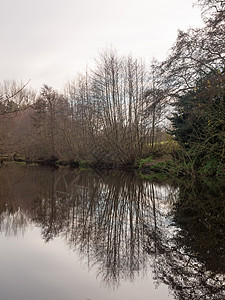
x=123, y=226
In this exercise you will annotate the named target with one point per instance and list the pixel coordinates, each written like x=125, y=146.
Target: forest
x=124, y=112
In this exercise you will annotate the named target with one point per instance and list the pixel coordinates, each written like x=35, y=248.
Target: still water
x=78, y=235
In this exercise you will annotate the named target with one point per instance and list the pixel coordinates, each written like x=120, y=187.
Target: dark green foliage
x=199, y=125
x=185, y=121
x=144, y=161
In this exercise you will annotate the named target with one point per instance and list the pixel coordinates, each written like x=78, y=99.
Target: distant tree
x=15, y=97
x=51, y=109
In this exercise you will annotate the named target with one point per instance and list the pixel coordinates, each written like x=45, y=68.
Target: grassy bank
x=166, y=167
x=159, y=165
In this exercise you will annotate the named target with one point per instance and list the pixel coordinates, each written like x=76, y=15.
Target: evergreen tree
x=199, y=122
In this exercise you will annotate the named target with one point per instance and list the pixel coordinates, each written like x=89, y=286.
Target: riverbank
x=167, y=167
x=152, y=167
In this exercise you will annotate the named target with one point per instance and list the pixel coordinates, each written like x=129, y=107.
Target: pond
x=75, y=234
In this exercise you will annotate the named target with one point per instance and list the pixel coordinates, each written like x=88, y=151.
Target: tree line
x=117, y=112
x=110, y=114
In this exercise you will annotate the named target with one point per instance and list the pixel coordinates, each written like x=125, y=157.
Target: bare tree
x=213, y=12
x=15, y=99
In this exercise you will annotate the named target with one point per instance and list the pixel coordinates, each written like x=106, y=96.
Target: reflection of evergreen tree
x=200, y=213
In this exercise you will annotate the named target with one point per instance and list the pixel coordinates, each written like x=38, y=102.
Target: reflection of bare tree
x=104, y=218
x=118, y=223
x=13, y=222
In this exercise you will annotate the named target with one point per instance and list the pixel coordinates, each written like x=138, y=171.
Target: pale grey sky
x=48, y=41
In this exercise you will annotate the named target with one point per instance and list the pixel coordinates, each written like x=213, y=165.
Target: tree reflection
x=104, y=217
x=200, y=213
x=122, y=225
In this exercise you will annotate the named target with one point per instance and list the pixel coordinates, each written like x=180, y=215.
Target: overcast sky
x=49, y=41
